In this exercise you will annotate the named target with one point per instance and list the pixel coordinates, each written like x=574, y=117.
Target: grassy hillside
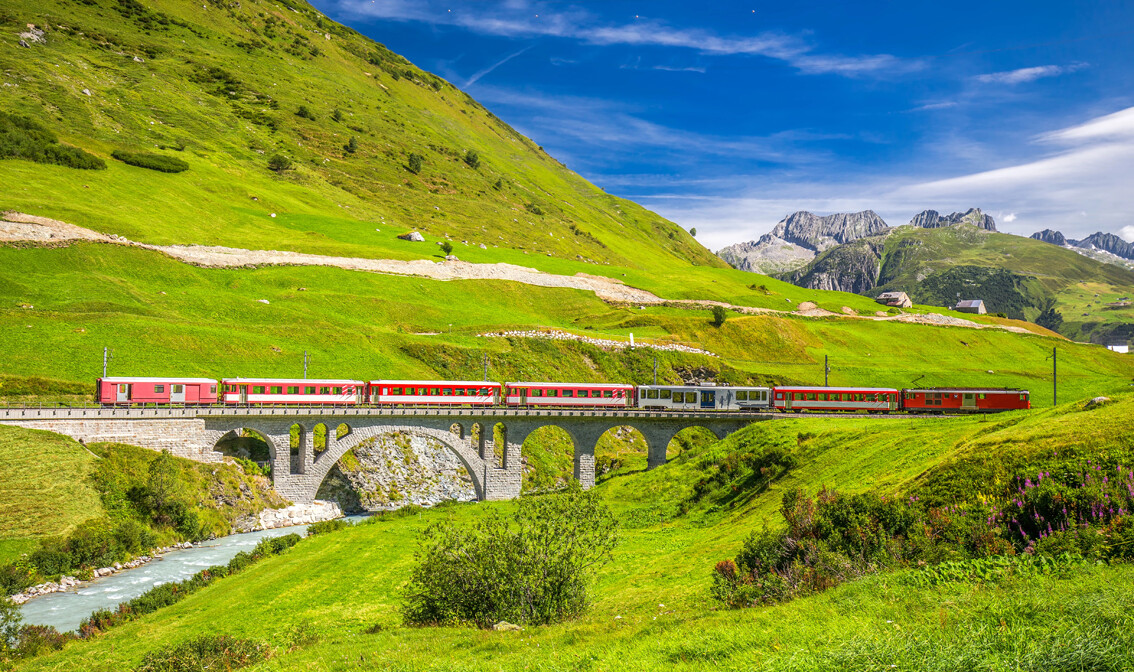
x=332, y=602
x=224, y=87
x=44, y=488
x=1017, y=276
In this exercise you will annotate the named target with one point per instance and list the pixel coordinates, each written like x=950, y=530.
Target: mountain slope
x=797, y=238
x=377, y=146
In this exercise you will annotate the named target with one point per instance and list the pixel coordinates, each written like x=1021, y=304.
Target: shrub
x=693, y=232
x=414, y=163
x=15, y=578
x=720, y=314
x=472, y=159
x=207, y=652
x=327, y=526
x=10, y=620
x=533, y=208
x=352, y=146
x=305, y=113
x=534, y=570
x=33, y=640
x=279, y=163
x=159, y=162
x=447, y=247
x=23, y=138
x=336, y=115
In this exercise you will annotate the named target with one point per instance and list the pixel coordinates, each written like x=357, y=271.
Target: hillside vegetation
x=651, y=606
x=372, y=146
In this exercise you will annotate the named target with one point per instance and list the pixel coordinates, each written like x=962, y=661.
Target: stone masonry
x=194, y=433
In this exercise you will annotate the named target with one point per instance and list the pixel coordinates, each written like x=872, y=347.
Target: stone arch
x=242, y=431
x=321, y=438
x=458, y=429
x=471, y=462
x=639, y=442
x=690, y=434
x=298, y=442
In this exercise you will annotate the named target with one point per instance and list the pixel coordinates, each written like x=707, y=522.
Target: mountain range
x=1100, y=245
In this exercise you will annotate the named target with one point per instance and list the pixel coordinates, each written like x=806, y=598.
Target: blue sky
x=727, y=116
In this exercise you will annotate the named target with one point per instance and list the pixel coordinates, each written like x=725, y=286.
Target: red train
x=345, y=392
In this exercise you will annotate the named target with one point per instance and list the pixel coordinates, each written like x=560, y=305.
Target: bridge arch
x=555, y=445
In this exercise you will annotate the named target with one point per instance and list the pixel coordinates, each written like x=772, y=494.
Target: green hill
x=331, y=603
x=1019, y=277
x=225, y=87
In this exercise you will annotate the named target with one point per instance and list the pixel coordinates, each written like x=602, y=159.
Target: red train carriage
x=584, y=395
x=434, y=392
x=975, y=400
x=133, y=390
x=289, y=391
x=835, y=399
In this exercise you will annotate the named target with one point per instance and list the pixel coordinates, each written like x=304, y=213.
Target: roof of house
x=888, y=295
x=971, y=303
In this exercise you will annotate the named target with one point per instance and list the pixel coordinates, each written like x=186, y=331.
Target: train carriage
x=699, y=397
x=293, y=391
x=964, y=399
x=871, y=399
x=582, y=395
x=434, y=392
x=125, y=390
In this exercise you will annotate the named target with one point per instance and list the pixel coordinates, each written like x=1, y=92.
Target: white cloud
x=1024, y=75
x=1081, y=186
x=531, y=19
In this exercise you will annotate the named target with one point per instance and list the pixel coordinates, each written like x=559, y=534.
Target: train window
x=982, y=396
x=742, y=395
x=446, y=392
x=607, y=394
x=666, y=394
x=159, y=388
x=823, y=397
x=485, y=390
x=212, y=389
x=338, y=390
x=651, y=394
x=779, y=395
x=257, y=389
x=293, y=389
x=553, y=393
x=276, y=389
x=690, y=397
x=570, y=393
x=308, y=389
x=327, y=390
x=1023, y=397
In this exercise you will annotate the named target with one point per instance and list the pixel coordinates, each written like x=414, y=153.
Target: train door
x=523, y=396
x=123, y=392
x=177, y=394
x=893, y=402
x=708, y=399
x=787, y=400
x=968, y=401
x=243, y=394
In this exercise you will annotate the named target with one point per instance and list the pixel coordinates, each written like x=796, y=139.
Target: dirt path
x=19, y=227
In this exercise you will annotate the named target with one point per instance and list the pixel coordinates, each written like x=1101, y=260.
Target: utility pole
x=305, y=365
x=826, y=372
x=655, y=369
x=486, y=368
x=1054, y=380
x=107, y=355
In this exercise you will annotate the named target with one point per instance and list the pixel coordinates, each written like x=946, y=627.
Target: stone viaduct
x=195, y=432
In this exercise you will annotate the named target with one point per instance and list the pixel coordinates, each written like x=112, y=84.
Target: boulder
x=505, y=625
x=1097, y=401
x=413, y=236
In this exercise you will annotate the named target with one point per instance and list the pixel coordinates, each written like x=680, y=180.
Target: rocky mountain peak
x=819, y=233
x=1049, y=236
x=1107, y=242
x=931, y=219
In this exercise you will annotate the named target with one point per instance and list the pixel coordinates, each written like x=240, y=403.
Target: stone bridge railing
x=194, y=433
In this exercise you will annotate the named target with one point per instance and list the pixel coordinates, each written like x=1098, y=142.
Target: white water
x=66, y=610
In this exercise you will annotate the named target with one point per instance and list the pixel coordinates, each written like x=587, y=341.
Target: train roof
x=983, y=390
x=426, y=383
x=820, y=388
x=299, y=381
x=154, y=379
x=600, y=385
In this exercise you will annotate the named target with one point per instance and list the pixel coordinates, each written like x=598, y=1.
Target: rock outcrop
x=931, y=219
x=1049, y=236
x=1106, y=242
x=296, y=514
x=799, y=237
x=853, y=267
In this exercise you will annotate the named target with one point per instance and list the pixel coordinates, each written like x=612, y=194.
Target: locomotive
x=119, y=391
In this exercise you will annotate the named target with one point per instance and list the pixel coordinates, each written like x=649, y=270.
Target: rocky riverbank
x=296, y=514
x=68, y=582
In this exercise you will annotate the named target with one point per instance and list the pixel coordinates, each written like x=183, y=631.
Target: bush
x=414, y=163
x=22, y=138
x=533, y=208
x=336, y=115
x=159, y=162
x=720, y=314
x=15, y=578
x=326, y=526
x=207, y=652
x=352, y=146
x=534, y=570
x=33, y=640
x=305, y=113
x=279, y=163
x=447, y=247
x=693, y=232
x=472, y=159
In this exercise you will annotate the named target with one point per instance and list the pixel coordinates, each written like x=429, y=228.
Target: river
x=66, y=610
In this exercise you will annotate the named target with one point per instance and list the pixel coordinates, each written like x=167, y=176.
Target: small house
x=1119, y=346
x=894, y=299
x=975, y=306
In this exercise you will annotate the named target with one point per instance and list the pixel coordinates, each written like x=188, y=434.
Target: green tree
x=10, y=621
x=447, y=248
x=693, y=232
x=162, y=483
x=352, y=146
x=499, y=184
x=414, y=163
x=533, y=569
x=305, y=113
x=720, y=314
x=337, y=115
x=279, y=163
x=1050, y=319
x=472, y=158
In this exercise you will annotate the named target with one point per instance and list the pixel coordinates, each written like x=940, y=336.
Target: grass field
x=44, y=488
x=332, y=602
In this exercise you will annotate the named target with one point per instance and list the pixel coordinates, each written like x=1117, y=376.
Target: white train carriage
x=289, y=391
x=434, y=392
x=703, y=397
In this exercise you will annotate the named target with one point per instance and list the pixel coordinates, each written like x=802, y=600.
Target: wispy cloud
x=481, y=73
x=1024, y=75
x=534, y=19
